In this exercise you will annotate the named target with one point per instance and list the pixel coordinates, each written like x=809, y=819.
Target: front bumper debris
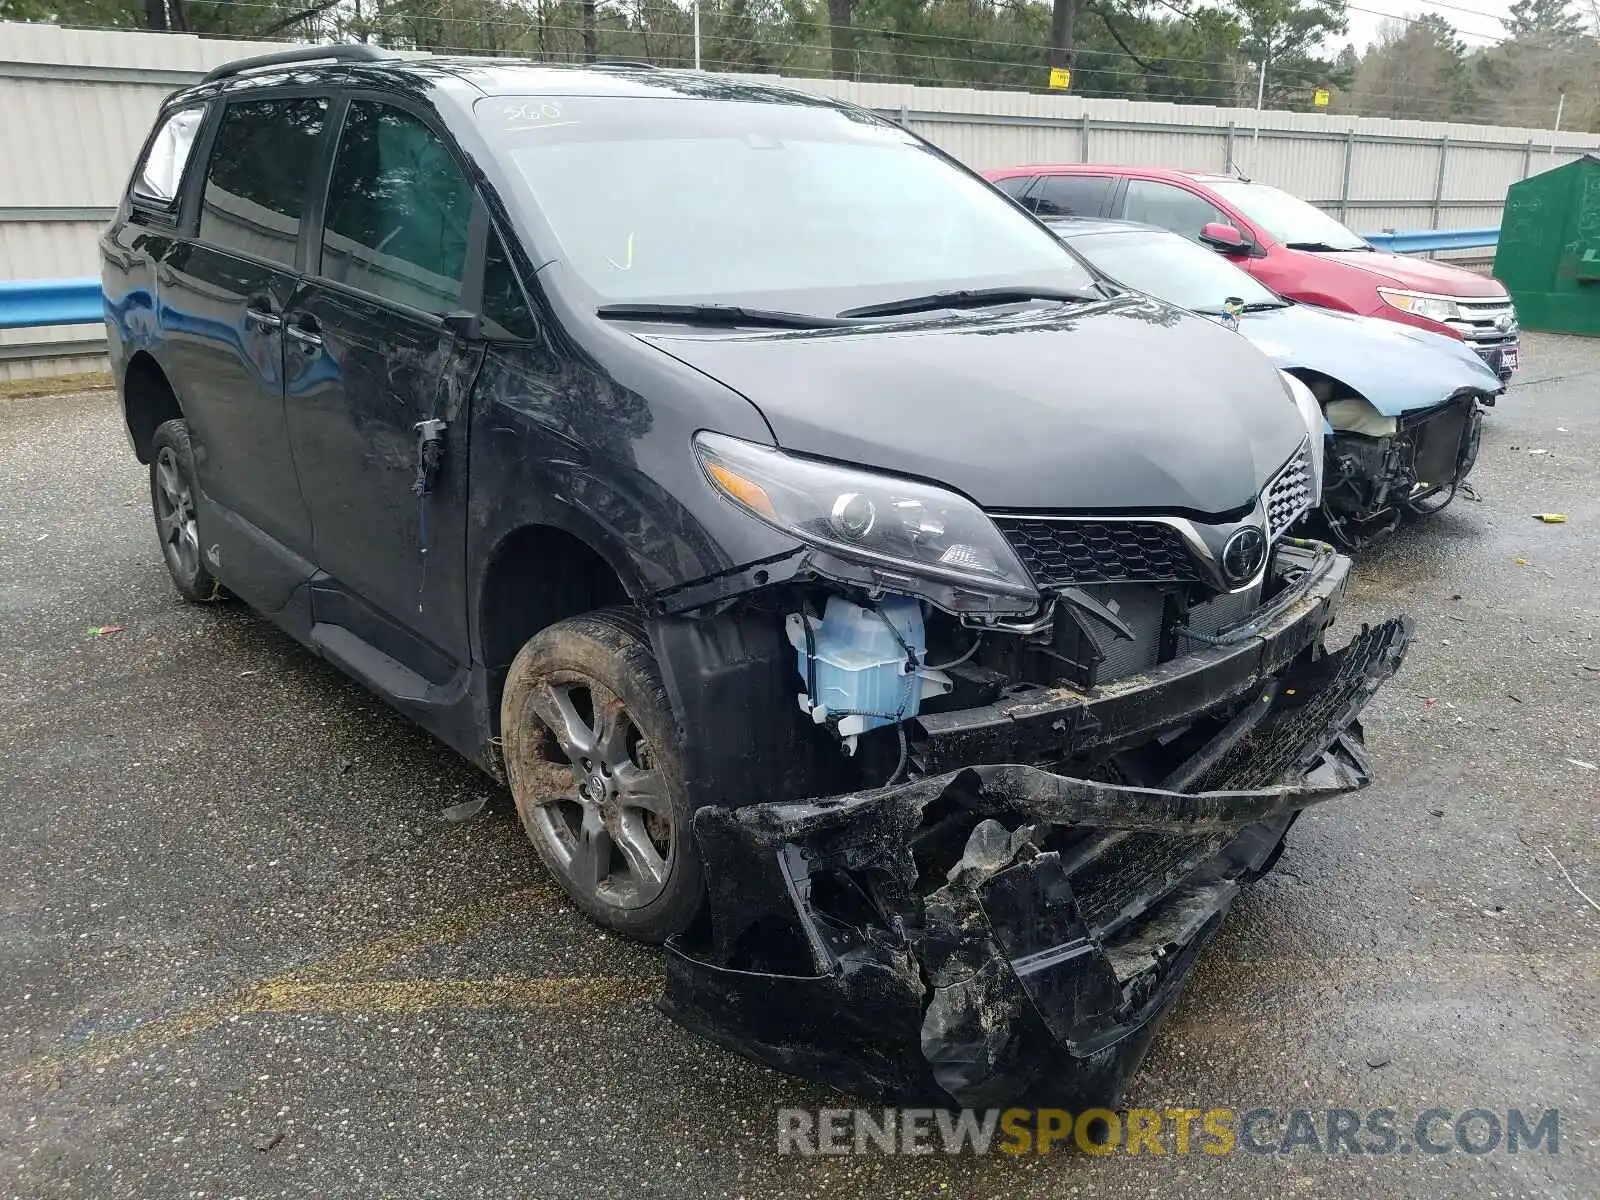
x=997, y=933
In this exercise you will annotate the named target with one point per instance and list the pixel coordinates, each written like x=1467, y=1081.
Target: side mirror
x=1225, y=238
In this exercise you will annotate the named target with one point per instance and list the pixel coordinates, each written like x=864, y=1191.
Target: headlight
x=1420, y=304
x=895, y=527
x=1311, y=414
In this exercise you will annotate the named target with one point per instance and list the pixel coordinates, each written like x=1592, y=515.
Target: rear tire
x=592, y=754
x=172, y=499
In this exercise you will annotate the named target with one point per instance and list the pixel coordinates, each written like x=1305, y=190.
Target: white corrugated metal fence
x=77, y=104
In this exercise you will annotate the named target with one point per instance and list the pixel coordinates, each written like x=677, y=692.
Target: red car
x=1295, y=249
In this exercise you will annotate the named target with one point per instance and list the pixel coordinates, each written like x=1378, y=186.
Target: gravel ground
x=242, y=953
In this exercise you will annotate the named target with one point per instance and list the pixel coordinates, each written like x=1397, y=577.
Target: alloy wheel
x=175, y=516
x=607, y=815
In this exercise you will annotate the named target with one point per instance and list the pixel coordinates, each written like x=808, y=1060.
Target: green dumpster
x=1549, y=251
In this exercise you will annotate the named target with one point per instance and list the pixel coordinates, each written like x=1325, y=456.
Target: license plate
x=1508, y=358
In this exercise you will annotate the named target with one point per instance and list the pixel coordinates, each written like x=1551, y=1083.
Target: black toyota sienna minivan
x=851, y=588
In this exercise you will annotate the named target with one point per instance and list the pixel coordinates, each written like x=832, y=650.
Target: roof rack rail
x=638, y=64
x=341, y=52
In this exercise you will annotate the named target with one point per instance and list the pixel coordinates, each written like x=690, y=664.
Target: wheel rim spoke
x=611, y=728
x=642, y=789
x=553, y=703
x=644, y=860
x=171, y=484
x=591, y=856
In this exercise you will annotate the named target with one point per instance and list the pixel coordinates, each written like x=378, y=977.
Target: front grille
x=1479, y=321
x=1288, y=496
x=1069, y=553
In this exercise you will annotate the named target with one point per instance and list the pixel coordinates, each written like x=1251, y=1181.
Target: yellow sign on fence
x=1060, y=79
x=1320, y=97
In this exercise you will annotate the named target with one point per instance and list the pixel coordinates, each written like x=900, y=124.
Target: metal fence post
x=1527, y=160
x=1344, y=188
x=1083, y=140
x=1227, y=149
x=905, y=117
x=1438, y=182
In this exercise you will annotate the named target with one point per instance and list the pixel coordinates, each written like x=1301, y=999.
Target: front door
x=373, y=373
x=222, y=295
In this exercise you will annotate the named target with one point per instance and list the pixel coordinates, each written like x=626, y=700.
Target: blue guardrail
x=29, y=303
x=1422, y=241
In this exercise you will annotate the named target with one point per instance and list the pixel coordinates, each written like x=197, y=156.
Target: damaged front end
x=1380, y=467
x=1030, y=826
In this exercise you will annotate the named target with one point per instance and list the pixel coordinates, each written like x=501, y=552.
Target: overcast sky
x=1478, y=21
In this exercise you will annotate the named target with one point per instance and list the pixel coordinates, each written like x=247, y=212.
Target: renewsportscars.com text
x=1214, y=1131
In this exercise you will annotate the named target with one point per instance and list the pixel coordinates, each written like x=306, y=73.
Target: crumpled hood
x=1397, y=368
x=1415, y=274
x=1127, y=404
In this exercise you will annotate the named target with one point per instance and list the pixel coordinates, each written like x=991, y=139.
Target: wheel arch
x=535, y=575
x=148, y=400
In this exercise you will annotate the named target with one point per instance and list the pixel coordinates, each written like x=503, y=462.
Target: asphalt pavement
x=244, y=952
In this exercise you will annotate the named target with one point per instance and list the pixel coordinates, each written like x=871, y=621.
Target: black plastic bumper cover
x=1031, y=965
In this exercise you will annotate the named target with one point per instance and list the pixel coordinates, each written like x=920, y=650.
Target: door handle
x=304, y=331
x=262, y=319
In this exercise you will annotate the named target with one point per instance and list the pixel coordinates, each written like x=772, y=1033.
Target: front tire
x=172, y=498
x=592, y=755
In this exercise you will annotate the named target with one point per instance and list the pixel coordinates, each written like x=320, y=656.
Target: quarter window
x=1170, y=207
x=1015, y=185
x=256, y=185
x=504, y=305
x=162, y=171
x=397, y=211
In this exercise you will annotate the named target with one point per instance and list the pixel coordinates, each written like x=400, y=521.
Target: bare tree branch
x=1116, y=34
x=321, y=6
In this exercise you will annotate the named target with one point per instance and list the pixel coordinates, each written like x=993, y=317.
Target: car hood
x=1414, y=274
x=1125, y=404
x=1397, y=368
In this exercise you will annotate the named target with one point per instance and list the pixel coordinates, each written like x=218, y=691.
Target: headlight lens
x=1418, y=304
x=1311, y=414
x=864, y=517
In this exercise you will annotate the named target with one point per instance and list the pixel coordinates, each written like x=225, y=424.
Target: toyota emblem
x=1244, y=554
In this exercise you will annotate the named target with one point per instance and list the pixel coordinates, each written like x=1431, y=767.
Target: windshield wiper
x=1324, y=248
x=973, y=298
x=1265, y=305
x=716, y=314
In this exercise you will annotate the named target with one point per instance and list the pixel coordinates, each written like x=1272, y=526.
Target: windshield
x=784, y=206
x=1171, y=268
x=1286, y=218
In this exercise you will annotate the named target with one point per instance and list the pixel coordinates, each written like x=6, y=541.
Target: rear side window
x=1070, y=195
x=1170, y=207
x=161, y=173
x=262, y=160
x=397, y=211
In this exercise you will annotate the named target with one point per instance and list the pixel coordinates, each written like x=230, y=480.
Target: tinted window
x=1070, y=195
x=397, y=211
x=798, y=206
x=1170, y=208
x=260, y=165
x=162, y=170
x=1015, y=186
x=504, y=305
